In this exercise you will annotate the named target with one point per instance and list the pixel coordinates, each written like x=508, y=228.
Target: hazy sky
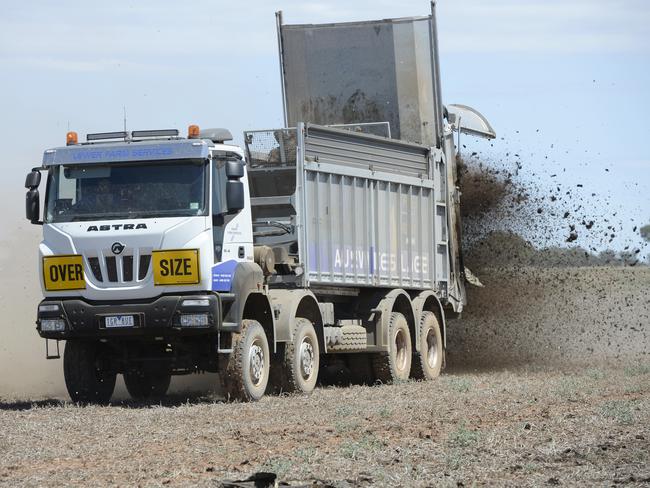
x=564, y=82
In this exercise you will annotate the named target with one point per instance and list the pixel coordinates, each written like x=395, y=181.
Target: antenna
x=124, y=112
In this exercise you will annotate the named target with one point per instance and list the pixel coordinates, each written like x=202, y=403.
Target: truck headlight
x=52, y=325
x=48, y=307
x=196, y=302
x=194, y=320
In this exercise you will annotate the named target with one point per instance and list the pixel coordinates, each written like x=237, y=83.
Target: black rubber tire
x=427, y=363
x=237, y=381
x=147, y=385
x=85, y=381
x=394, y=366
x=297, y=379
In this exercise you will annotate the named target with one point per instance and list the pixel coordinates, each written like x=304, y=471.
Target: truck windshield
x=140, y=190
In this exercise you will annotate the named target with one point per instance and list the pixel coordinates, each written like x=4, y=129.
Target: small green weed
x=279, y=466
x=595, y=374
x=461, y=385
x=619, y=410
x=571, y=387
x=463, y=437
x=355, y=449
x=385, y=412
x=346, y=425
x=637, y=370
x=307, y=454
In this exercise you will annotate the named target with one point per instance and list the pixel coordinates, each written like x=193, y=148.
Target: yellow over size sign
x=177, y=267
x=63, y=273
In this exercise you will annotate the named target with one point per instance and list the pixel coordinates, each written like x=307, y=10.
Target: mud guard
x=381, y=304
x=427, y=301
x=289, y=304
x=246, y=278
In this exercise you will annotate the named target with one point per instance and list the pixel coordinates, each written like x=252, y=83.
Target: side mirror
x=33, y=206
x=234, y=196
x=33, y=180
x=234, y=169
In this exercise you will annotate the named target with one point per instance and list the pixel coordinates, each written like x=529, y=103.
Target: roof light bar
x=106, y=135
x=155, y=133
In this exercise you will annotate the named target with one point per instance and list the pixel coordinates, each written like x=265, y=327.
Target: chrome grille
x=111, y=268
x=127, y=268
x=131, y=266
x=145, y=261
x=96, y=268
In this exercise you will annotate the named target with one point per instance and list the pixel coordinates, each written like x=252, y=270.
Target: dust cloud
x=25, y=371
x=546, y=300
x=554, y=316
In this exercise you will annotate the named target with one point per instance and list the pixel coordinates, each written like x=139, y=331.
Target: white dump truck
x=333, y=237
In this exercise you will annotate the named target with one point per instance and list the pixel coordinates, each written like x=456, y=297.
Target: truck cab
x=143, y=236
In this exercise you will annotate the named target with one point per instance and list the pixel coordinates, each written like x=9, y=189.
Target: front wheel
x=147, y=385
x=86, y=378
x=245, y=372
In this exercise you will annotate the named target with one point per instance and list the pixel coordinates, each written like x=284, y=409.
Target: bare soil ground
x=521, y=427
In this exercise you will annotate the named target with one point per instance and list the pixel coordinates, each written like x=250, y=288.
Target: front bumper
x=160, y=316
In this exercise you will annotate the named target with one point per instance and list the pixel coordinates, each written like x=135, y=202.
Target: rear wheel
x=428, y=362
x=147, y=385
x=245, y=372
x=302, y=358
x=86, y=377
x=394, y=365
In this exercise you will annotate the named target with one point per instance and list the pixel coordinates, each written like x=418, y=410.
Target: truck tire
x=85, y=379
x=147, y=385
x=301, y=358
x=394, y=366
x=427, y=363
x=245, y=371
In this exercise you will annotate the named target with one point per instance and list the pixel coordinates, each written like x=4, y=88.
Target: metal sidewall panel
x=378, y=71
x=367, y=222
x=354, y=150
x=368, y=232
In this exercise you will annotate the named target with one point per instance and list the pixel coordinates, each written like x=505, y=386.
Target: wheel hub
x=306, y=359
x=256, y=363
x=432, y=349
x=400, y=349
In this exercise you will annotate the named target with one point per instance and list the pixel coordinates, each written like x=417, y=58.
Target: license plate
x=176, y=267
x=119, y=321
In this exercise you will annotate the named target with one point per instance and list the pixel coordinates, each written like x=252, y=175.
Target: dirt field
x=586, y=427
x=548, y=383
